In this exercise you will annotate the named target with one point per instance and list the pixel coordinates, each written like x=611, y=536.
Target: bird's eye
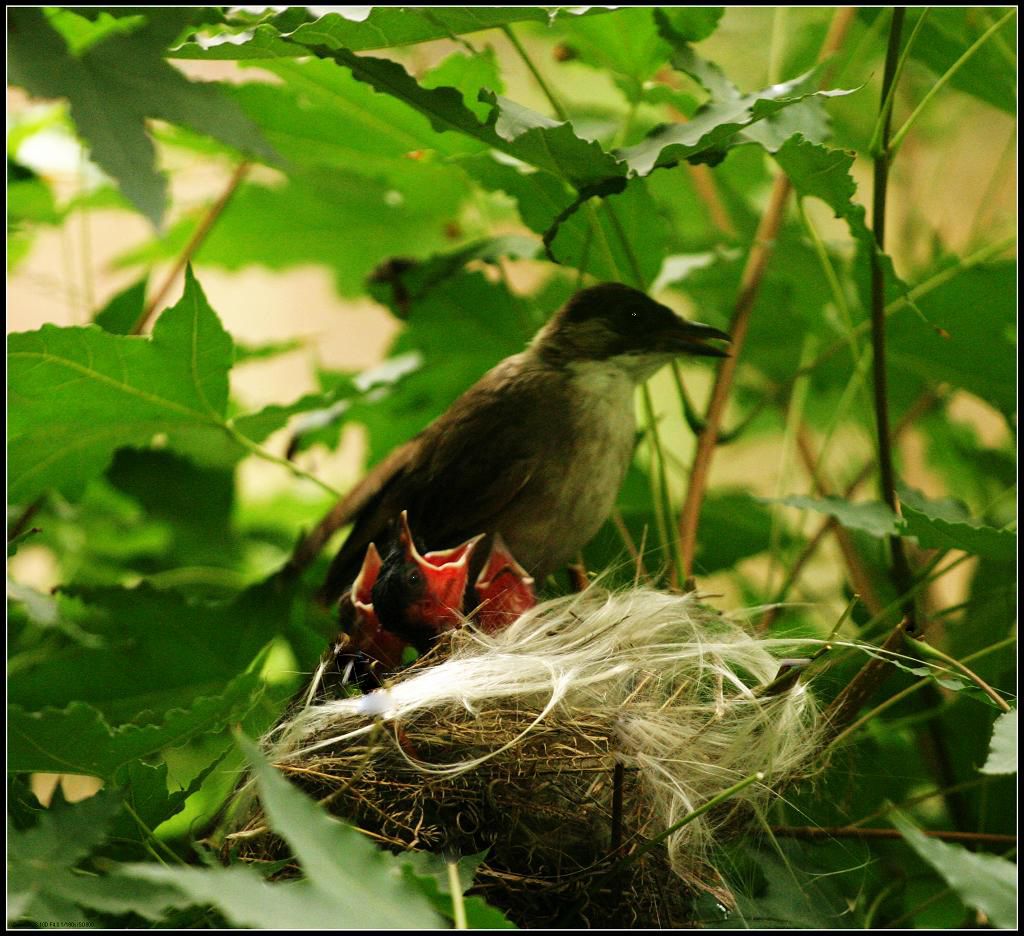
x=413, y=577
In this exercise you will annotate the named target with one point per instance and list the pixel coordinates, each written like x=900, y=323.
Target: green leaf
x=1002, y=755
x=195, y=503
x=429, y=873
x=178, y=651
x=78, y=739
x=622, y=239
x=986, y=882
x=321, y=115
x=540, y=196
x=511, y=128
x=41, y=859
x=43, y=883
x=717, y=125
x=114, y=87
x=946, y=524
x=693, y=23
x=121, y=313
x=733, y=526
x=348, y=880
x=874, y=518
x=78, y=394
x=382, y=28
x=968, y=338
x=626, y=43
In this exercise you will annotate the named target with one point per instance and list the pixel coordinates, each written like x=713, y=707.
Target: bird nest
x=585, y=748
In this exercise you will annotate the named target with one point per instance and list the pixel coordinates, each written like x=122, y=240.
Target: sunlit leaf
x=78, y=394
x=114, y=87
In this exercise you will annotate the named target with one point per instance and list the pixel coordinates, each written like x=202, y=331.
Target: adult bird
x=536, y=450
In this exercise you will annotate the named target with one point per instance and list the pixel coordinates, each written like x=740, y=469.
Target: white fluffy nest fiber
x=510, y=742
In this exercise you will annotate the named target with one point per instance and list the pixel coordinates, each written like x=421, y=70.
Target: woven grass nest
x=565, y=746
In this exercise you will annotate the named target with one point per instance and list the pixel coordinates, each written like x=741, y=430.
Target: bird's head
x=419, y=595
x=621, y=326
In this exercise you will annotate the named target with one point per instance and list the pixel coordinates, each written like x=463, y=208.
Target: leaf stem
x=269, y=456
x=885, y=112
x=944, y=80
x=556, y=105
x=458, y=904
x=200, y=234
x=926, y=649
x=841, y=736
x=824, y=832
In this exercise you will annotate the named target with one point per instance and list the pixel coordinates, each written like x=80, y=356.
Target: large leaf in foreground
x=349, y=881
x=986, y=882
x=152, y=650
x=78, y=739
x=78, y=394
x=382, y=27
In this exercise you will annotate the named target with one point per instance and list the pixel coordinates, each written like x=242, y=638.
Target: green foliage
x=467, y=194
x=114, y=85
x=983, y=881
x=1002, y=755
x=346, y=876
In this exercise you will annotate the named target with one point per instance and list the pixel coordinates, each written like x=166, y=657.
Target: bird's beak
x=362, y=587
x=445, y=572
x=685, y=337
x=504, y=588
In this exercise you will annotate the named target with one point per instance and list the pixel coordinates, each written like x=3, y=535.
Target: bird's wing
x=455, y=478
x=367, y=506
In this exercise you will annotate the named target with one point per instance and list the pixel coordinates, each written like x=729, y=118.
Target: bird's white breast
x=600, y=446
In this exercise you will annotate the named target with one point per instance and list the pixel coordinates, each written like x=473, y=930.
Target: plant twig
x=837, y=737
x=556, y=105
x=860, y=577
x=926, y=649
x=901, y=573
x=195, y=242
x=828, y=832
x=750, y=285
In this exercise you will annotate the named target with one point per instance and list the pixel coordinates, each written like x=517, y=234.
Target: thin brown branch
x=19, y=525
x=750, y=286
x=829, y=832
x=867, y=680
x=195, y=242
